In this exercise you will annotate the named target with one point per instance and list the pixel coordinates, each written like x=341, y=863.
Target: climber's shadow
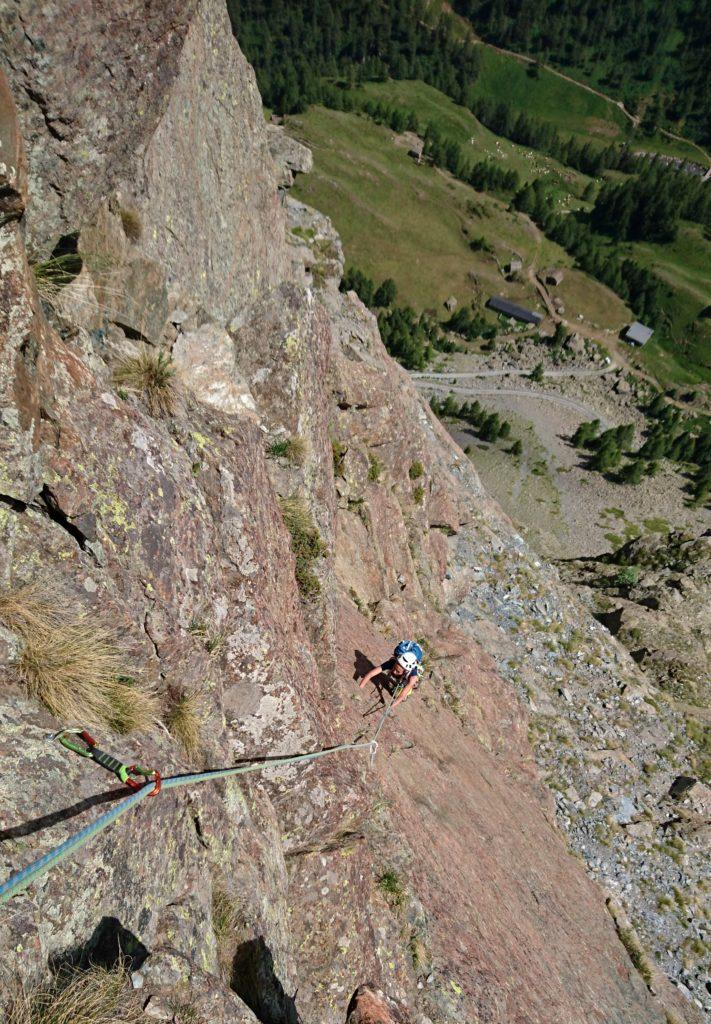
x=28, y=828
x=110, y=944
x=362, y=666
x=255, y=981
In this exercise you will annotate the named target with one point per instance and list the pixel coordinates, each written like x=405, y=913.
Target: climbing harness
x=80, y=742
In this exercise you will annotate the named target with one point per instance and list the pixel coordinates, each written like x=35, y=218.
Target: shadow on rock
x=255, y=981
x=110, y=944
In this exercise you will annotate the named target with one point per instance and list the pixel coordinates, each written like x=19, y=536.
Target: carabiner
x=123, y=772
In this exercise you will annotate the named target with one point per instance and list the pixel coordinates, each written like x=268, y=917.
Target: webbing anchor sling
x=80, y=742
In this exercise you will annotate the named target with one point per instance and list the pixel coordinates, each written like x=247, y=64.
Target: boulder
x=691, y=790
x=205, y=360
x=291, y=157
x=575, y=343
x=369, y=1005
x=13, y=167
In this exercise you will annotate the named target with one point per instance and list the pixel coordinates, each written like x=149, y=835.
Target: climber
x=401, y=671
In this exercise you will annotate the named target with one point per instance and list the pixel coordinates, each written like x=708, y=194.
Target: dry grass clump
x=131, y=222
x=214, y=640
x=54, y=274
x=636, y=953
x=226, y=924
x=153, y=376
x=71, y=661
x=306, y=543
x=93, y=996
x=184, y=720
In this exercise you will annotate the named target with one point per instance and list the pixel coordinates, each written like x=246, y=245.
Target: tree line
x=409, y=337
x=670, y=436
x=639, y=287
x=624, y=46
x=296, y=48
x=487, y=426
x=483, y=175
x=650, y=205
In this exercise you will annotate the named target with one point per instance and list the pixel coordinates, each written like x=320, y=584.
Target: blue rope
x=19, y=881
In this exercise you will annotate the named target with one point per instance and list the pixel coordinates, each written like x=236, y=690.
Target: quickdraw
x=132, y=775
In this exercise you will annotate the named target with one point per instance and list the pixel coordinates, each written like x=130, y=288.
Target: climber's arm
x=371, y=675
x=406, y=692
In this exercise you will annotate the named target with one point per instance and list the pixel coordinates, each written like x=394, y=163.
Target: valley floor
x=562, y=508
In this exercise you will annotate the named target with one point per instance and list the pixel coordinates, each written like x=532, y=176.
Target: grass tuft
x=306, y=543
x=340, y=450
x=226, y=924
x=93, y=996
x=184, y=721
x=416, y=470
x=375, y=468
x=293, y=449
x=71, y=661
x=153, y=376
x=640, y=960
x=393, y=888
x=132, y=225
x=54, y=274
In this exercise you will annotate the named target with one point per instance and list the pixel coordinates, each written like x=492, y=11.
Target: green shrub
x=306, y=543
x=627, y=577
x=416, y=470
x=418, y=495
x=393, y=888
x=340, y=450
x=293, y=449
x=375, y=469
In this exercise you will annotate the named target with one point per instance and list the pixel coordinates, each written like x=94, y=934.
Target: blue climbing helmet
x=408, y=647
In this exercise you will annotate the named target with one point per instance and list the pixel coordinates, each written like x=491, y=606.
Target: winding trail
x=470, y=375
x=584, y=410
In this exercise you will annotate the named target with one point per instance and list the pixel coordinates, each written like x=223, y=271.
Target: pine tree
x=632, y=472
x=386, y=293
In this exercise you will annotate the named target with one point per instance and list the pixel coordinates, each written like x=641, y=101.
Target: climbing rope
x=70, y=738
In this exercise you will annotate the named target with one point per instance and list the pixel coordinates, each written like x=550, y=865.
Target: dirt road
x=437, y=387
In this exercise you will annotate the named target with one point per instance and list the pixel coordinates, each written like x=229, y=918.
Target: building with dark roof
x=501, y=305
x=638, y=334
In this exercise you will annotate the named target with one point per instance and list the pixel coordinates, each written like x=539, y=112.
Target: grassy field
x=408, y=222
x=460, y=125
x=413, y=223
x=566, y=106
x=685, y=265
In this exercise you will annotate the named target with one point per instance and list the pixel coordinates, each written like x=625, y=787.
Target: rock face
x=438, y=871
x=655, y=594
x=170, y=126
